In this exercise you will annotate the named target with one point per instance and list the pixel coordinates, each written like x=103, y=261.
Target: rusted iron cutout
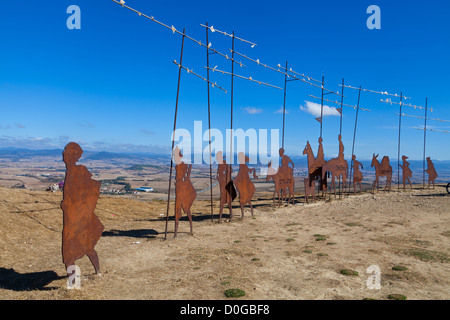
x=357, y=174
x=382, y=170
x=185, y=193
x=337, y=167
x=407, y=173
x=244, y=184
x=227, y=190
x=432, y=174
x=310, y=189
x=315, y=165
x=81, y=227
x=283, y=179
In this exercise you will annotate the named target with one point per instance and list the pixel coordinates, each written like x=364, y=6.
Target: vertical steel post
x=354, y=137
x=399, y=132
x=173, y=137
x=284, y=104
x=424, y=140
x=209, y=122
x=321, y=108
x=231, y=160
x=340, y=127
x=342, y=104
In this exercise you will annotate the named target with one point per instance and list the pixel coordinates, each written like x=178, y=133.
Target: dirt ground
x=295, y=252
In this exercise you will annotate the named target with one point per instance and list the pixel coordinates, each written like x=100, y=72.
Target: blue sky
x=112, y=85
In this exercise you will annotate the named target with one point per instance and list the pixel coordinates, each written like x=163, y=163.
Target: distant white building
x=144, y=189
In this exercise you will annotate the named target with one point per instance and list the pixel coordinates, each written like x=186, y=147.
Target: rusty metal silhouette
x=337, y=167
x=382, y=170
x=227, y=190
x=432, y=174
x=357, y=174
x=185, y=193
x=283, y=179
x=243, y=183
x=310, y=189
x=81, y=227
x=407, y=173
x=315, y=164
x=272, y=174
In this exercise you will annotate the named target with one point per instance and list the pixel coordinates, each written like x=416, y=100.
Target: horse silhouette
x=381, y=170
x=336, y=167
x=315, y=166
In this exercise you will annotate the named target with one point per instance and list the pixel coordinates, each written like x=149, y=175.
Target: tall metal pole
x=321, y=108
x=342, y=104
x=340, y=127
x=173, y=137
x=284, y=104
x=231, y=114
x=399, y=132
x=209, y=122
x=354, y=136
x=424, y=140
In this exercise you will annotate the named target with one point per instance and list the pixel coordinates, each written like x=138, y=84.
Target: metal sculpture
x=227, y=190
x=310, y=189
x=407, y=173
x=315, y=164
x=382, y=170
x=185, y=193
x=283, y=179
x=432, y=174
x=81, y=227
x=243, y=183
x=357, y=174
x=337, y=167
x=272, y=174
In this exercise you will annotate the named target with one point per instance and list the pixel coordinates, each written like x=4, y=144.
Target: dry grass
x=274, y=255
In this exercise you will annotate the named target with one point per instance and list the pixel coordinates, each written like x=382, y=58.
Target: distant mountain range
x=299, y=161
x=20, y=153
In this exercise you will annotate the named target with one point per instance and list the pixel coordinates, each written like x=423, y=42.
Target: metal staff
x=173, y=138
x=354, y=136
x=284, y=105
x=424, y=140
x=341, y=109
x=231, y=107
x=209, y=126
x=399, y=133
x=321, y=108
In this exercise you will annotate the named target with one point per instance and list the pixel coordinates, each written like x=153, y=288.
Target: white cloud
x=314, y=109
x=252, y=110
x=281, y=111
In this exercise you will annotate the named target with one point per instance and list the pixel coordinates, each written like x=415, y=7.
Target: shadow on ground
x=12, y=280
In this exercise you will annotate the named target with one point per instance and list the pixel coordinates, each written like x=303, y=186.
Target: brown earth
x=295, y=252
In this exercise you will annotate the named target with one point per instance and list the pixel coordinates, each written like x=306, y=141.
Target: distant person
x=81, y=227
x=432, y=174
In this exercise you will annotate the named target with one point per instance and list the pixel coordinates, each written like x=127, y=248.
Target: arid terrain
x=295, y=252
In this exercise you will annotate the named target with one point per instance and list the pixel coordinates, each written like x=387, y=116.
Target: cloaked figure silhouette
x=81, y=227
x=185, y=193
x=243, y=183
